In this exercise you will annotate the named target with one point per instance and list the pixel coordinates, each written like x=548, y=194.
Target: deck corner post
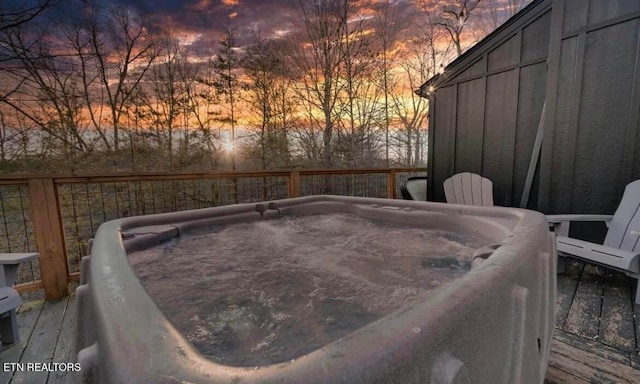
x=49, y=233
x=391, y=184
x=294, y=184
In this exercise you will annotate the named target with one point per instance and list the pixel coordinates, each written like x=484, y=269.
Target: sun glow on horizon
x=228, y=146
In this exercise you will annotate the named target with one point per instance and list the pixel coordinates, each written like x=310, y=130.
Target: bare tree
x=163, y=95
x=286, y=105
x=203, y=105
x=13, y=137
x=496, y=12
x=21, y=13
x=14, y=19
x=200, y=110
x=388, y=26
x=263, y=68
x=117, y=51
x=454, y=18
x=427, y=40
x=411, y=110
x=358, y=110
x=317, y=59
x=42, y=86
x=226, y=67
x=358, y=139
x=424, y=57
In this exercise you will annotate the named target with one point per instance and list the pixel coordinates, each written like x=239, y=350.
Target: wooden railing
x=56, y=215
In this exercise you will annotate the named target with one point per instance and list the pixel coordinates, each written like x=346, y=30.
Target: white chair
x=469, y=189
x=9, y=297
x=621, y=246
x=414, y=188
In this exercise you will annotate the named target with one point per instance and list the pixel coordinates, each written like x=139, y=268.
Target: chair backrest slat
x=465, y=188
x=469, y=188
x=625, y=226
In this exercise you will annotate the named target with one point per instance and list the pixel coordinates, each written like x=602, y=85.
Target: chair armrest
x=561, y=223
x=16, y=258
x=614, y=257
x=9, y=263
x=563, y=218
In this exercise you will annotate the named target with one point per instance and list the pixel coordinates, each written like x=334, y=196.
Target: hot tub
x=320, y=289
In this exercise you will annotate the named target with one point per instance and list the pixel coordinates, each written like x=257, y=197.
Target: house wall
x=592, y=148
x=484, y=116
x=579, y=57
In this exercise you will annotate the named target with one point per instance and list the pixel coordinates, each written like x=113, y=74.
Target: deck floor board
x=584, y=365
x=567, y=285
x=595, y=340
x=617, y=324
x=27, y=317
x=584, y=316
x=594, y=347
x=65, y=345
x=42, y=343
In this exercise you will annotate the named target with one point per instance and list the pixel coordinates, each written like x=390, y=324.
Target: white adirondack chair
x=469, y=189
x=9, y=298
x=621, y=247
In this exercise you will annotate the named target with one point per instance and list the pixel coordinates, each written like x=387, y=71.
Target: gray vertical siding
x=592, y=153
x=609, y=65
x=499, y=135
x=469, y=127
x=441, y=152
x=497, y=107
x=535, y=39
x=505, y=55
x=582, y=58
x=603, y=11
x=564, y=129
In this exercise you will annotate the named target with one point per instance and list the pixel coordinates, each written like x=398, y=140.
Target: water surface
x=270, y=291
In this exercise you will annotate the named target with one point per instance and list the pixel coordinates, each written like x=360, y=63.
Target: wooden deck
x=596, y=338
x=46, y=336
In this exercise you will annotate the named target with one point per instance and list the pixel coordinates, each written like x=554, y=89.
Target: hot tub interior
x=267, y=291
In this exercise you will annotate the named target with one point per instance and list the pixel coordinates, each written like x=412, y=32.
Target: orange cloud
x=230, y=3
x=201, y=5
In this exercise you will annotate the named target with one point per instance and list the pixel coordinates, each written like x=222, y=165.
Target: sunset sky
x=204, y=16
x=202, y=20
x=160, y=65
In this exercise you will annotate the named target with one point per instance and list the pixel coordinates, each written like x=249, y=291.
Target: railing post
x=391, y=184
x=47, y=226
x=294, y=184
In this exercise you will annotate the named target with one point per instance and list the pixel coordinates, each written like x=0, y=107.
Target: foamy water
x=270, y=291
